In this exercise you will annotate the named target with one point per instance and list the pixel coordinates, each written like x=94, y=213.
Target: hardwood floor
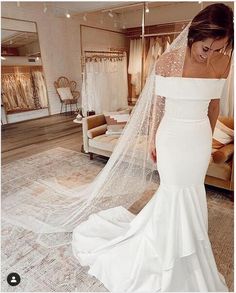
x=26, y=138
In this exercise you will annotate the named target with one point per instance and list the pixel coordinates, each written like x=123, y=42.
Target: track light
x=146, y=8
x=201, y=4
x=67, y=14
x=85, y=17
x=123, y=21
x=110, y=14
x=45, y=8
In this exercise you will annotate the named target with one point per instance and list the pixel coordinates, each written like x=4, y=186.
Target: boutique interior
x=63, y=62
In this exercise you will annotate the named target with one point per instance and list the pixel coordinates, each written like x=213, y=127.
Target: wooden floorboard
x=23, y=139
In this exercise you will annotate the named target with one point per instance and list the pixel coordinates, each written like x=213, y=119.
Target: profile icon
x=13, y=279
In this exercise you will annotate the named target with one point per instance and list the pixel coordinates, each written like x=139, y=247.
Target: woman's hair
x=216, y=22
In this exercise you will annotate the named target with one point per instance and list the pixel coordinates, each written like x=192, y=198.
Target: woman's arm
x=213, y=112
x=158, y=101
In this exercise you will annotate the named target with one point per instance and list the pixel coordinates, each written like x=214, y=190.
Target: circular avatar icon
x=13, y=279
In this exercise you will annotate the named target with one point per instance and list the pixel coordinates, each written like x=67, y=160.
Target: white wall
x=96, y=39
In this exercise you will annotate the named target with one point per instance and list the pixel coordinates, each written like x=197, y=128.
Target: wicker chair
x=63, y=82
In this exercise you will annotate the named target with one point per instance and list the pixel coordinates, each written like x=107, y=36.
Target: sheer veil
x=128, y=174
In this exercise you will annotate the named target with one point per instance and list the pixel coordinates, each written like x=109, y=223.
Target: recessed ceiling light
x=45, y=8
x=67, y=14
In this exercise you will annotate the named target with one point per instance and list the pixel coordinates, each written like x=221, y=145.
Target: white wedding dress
x=166, y=246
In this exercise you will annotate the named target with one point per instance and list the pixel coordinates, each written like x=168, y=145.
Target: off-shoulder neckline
x=182, y=77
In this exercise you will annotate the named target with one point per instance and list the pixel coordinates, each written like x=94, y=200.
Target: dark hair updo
x=215, y=22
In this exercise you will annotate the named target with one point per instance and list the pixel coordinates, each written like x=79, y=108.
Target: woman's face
x=203, y=50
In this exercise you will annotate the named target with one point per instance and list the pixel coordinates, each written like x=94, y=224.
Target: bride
x=166, y=246
x=168, y=139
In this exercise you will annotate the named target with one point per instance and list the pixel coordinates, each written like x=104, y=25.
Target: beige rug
x=48, y=270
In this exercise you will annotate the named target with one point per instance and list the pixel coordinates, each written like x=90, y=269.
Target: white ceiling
x=87, y=6
x=79, y=7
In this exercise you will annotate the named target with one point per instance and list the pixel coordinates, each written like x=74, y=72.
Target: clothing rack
x=106, y=52
x=154, y=35
x=160, y=34
x=103, y=54
x=100, y=55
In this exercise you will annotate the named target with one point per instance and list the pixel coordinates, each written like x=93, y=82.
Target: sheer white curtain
x=105, y=85
x=227, y=102
x=135, y=64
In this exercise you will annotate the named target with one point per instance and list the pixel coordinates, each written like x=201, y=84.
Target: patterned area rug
x=56, y=270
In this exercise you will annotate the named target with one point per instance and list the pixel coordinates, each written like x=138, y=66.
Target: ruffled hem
x=189, y=274
x=164, y=248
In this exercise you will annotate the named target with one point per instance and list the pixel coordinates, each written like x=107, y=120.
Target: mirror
x=23, y=83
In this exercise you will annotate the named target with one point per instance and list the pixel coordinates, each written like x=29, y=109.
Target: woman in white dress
x=166, y=246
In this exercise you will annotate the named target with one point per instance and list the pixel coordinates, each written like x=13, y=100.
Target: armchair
x=67, y=93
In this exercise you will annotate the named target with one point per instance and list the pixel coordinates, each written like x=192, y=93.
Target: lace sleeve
x=158, y=107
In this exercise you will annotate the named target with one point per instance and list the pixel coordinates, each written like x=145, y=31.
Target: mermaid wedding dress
x=166, y=246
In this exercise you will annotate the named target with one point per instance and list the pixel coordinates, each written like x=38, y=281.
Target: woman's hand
x=152, y=152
